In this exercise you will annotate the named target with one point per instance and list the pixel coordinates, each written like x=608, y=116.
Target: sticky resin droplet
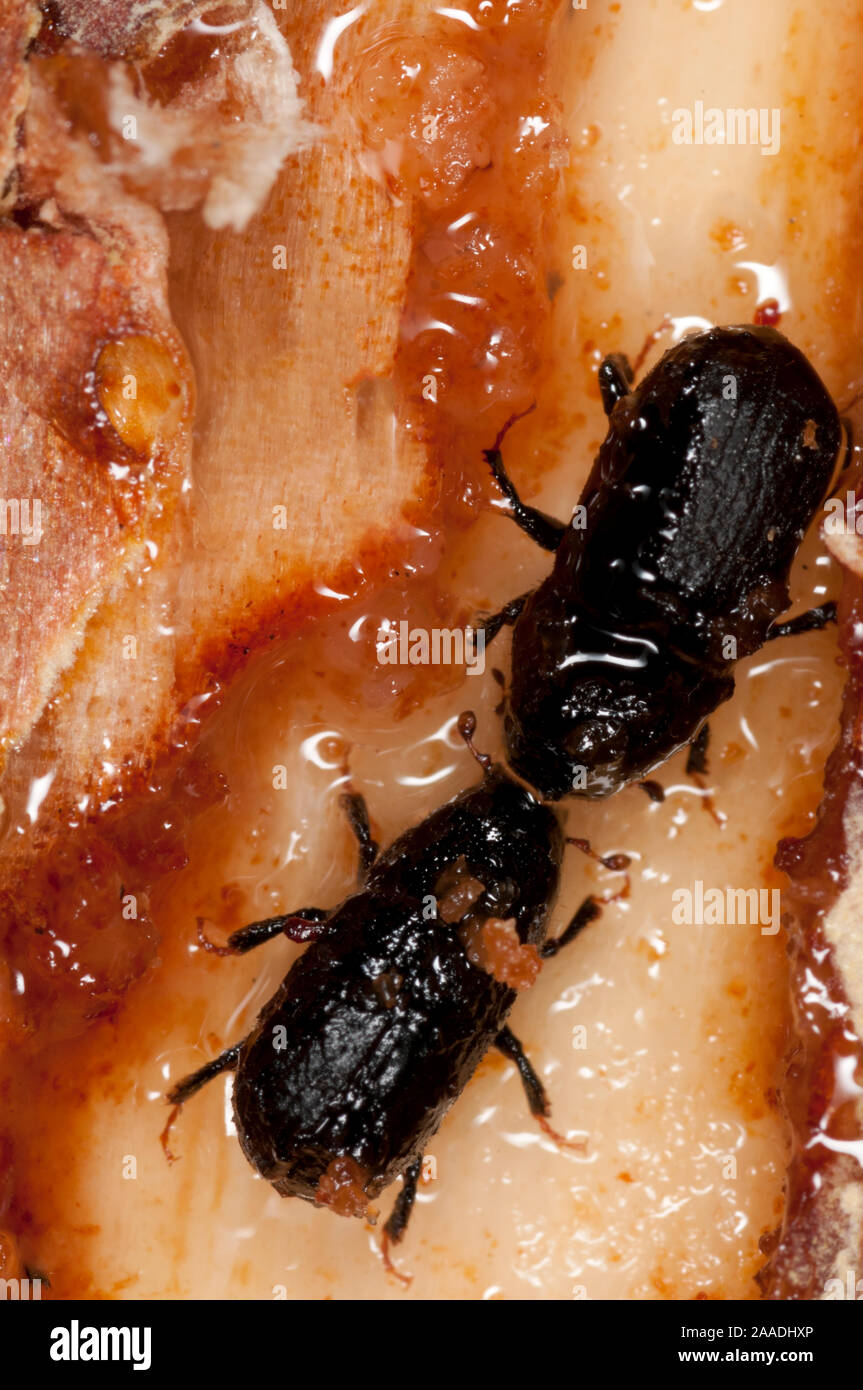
x=140, y=390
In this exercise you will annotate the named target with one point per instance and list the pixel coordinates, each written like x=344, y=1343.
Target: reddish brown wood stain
x=818, y=868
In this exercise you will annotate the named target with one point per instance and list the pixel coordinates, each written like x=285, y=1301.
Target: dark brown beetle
x=676, y=562
x=380, y=1024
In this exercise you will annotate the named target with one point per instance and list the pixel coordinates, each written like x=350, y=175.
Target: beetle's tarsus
x=191, y=1084
x=811, y=621
x=543, y=529
x=652, y=337
x=577, y=1146
x=399, y=1217
x=390, y=1266
x=166, y=1134
x=697, y=770
x=537, y=1096
x=207, y=945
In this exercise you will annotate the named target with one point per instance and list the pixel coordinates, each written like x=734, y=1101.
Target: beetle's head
x=587, y=760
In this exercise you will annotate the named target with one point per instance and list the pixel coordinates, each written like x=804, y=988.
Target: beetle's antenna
x=467, y=729
x=615, y=863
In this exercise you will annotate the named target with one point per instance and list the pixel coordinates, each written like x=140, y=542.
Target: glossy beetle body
x=385, y=1019
x=711, y=471
x=380, y=1024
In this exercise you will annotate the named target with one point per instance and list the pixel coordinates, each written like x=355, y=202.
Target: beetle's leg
x=696, y=768
x=811, y=621
x=508, y=615
x=696, y=761
x=309, y=924
x=588, y=912
x=537, y=1097
x=404, y=1204
x=467, y=729
x=541, y=527
x=191, y=1084
x=507, y=1043
x=399, y=1218
x=654, y=790
x=538, y=525
x=354, y=807
x=615, y=379
x=185, y=1089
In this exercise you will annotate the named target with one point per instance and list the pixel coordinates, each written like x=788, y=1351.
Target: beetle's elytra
x=385, y=1017
x=712, y=469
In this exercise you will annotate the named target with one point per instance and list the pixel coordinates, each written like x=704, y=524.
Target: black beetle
x=676, y=562
x=379, y=1025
